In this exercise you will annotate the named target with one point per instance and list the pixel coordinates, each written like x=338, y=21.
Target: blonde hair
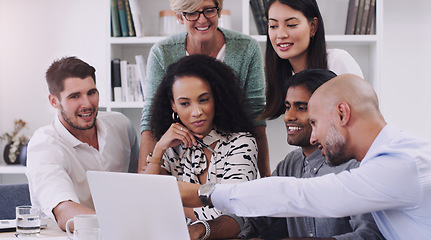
x=180, y=6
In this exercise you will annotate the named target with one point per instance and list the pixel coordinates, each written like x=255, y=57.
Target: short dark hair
x=229, y=101
x=310, y=78
x=64, y=68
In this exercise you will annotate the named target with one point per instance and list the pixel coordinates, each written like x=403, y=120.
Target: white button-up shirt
x=57, y=161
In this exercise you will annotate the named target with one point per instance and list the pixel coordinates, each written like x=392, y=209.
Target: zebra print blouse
x=234, y=160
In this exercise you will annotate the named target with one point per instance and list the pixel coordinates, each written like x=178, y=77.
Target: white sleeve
x=371, y=187
x=340, y=62
x=47, y=175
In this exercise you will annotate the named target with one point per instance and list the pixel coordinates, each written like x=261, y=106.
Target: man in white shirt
x=393, y=181
x=79, y=139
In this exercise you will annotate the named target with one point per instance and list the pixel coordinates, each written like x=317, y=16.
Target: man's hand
x=67, y=210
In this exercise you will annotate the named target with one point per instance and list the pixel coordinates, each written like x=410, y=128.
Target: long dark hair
x=279, y=70
x=229, y=101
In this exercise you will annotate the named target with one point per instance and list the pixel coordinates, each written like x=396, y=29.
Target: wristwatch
x=205, y=192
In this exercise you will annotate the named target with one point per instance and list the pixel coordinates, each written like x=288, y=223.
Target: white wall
x=406, y=65
x=33, y=33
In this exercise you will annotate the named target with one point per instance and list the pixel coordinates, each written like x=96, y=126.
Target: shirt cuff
x=49, y=207
x=220, y=197
x=239, y=220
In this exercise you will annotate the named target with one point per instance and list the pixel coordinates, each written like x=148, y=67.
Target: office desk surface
x=52, y=232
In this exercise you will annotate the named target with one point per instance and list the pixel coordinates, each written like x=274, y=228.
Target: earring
x=175, y=117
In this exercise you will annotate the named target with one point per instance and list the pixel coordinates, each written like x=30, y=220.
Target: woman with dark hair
x=203, y=36
x=202, y=129
x=295, y=42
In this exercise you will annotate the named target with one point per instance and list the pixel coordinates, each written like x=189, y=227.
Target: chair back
x=12, y=195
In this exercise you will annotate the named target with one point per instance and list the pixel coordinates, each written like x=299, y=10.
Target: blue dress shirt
x=393, y=182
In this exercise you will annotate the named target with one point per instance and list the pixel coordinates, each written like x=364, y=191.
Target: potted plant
x=15, y=151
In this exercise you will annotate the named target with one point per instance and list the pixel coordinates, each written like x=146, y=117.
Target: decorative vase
x=23, y=154
x=21, y=158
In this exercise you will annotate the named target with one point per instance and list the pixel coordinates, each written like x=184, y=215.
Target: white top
x=233, y=160
x=393, y=182
x=340, y=62
x=57, y=161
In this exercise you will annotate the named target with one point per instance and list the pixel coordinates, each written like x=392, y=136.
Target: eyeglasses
x=208, y=13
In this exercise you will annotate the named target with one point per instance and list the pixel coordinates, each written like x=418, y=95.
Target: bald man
x=393, y=180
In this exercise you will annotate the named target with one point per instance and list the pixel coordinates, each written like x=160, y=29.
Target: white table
x=52, y=232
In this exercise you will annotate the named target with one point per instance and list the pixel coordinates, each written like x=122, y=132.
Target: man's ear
x=54, y=101
x=343, y=112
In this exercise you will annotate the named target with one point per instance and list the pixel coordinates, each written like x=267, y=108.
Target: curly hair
x=229, y=102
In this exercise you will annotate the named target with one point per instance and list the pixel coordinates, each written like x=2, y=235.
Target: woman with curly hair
x=203, y=131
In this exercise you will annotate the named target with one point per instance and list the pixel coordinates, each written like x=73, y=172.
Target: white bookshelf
x=365, y=49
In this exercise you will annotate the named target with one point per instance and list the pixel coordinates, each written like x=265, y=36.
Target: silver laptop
x=138, y=206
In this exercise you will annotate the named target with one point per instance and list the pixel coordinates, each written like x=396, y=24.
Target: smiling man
x=393, y=181
x=79, y=139
x=304, y=162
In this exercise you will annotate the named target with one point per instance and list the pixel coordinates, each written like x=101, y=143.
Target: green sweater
x=242, y=54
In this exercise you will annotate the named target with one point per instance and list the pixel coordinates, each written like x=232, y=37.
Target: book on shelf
x=124, y=81
x=258, y=10
x=360, y=17
x=140, y=62
x=137, y=17
x=352, y=14
x=115, y=20
x=130, y=25
x=135, y=90
x=127, y=80
x=116, y=80
x=365, y=14
x=371, y=17
x=123, y=18
x=126, y=18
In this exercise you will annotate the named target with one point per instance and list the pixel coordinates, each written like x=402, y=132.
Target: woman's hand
x=175, y=135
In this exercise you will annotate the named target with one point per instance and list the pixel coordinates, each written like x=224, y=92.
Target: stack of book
x=361, y=17
x=126, y=18
x=127, y=80
x=258, y=8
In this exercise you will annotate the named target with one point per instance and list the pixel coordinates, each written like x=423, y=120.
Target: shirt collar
x=314, y=160
x=212, y=137
x=71, y=140
x=384, y=136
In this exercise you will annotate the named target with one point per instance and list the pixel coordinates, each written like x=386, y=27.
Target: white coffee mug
x=87, y=234
x=82, y=222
